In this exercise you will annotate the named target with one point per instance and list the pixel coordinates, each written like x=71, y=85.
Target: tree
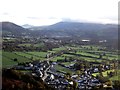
x=116, y=84
x=102, y=79
x=31, y=58
x=104, y=54
x=100, y=56
x=75, y=85
x=109, y=83
x=78, y=72
x=91, y=47
x=15, y=59
x=68, y=75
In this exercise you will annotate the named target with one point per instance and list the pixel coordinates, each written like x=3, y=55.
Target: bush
x=116, y=84
x=102, y=79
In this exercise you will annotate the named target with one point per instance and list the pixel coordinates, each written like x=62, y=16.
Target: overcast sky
x=46, y=12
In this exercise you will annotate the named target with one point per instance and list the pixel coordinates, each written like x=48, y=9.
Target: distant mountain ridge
x=68, y=25
x=66, y=29
x=82, y=30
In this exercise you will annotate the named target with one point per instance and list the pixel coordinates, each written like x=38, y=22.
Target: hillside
x=12, y=29
x=15, y=80
x=81, y=30
x=64, y=29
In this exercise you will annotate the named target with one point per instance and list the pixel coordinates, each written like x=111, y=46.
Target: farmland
x=62, y=56
x=8, y=57
x=83, y=52
x=66, y=61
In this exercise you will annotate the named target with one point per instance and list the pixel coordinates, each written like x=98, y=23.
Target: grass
x=11, y=56
x=25, y=71
x=55, y=50
x=8, y=59
x=57, y=58
x=23, y=54
x=26, y=45
x=32, y=55
x=40, y=54
x=6, y=62
x=117, y=77
x=59, y=49
x=68, y=55
x=94, y=47
x=104, y=73
x=109, y=55
x=63, y=69
x=88, y=54
x=68, y=63
x=26, y=56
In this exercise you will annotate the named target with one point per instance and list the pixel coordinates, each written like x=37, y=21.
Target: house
x=74, y=76
x=31, y=65
x=52, y=77
x=28, y=68
x=95, y=70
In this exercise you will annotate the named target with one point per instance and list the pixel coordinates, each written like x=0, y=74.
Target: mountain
x=64, y=29
x=11, y=29
x=81, y=30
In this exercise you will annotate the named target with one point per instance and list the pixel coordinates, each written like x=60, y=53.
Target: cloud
x=73, y=20
x=33, y=17
x=5, y=13
x=46, y=11
x=67, y=19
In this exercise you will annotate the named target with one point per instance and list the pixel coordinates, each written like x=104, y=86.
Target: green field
x=58, y=58
x=117, y=77
x=84, y=53
x=8, y=57
x=32, y=55
x=26, y=45
x=39, y=54
x=59, y=49
x=104, y=73
x=63, y=69
x=68, y=63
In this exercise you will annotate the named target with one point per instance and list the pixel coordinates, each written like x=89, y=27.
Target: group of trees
x=15, y=80
x=82, y=65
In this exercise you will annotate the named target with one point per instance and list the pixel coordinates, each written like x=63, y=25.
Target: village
x=83, y=79
x=63, y=64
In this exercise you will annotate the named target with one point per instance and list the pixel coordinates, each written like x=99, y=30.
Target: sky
x=47, y=12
